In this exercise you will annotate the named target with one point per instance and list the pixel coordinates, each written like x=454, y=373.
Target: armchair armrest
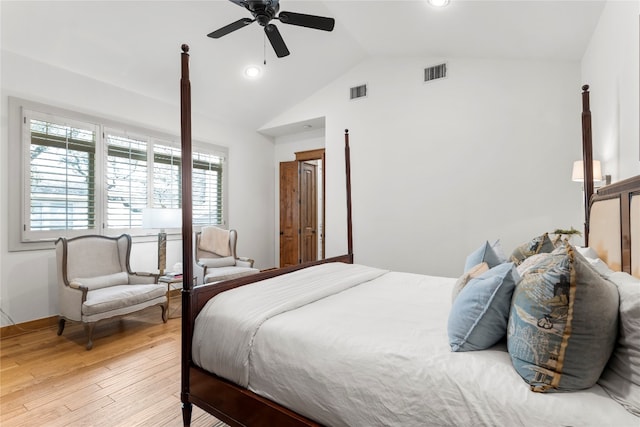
x=71, y=297
x=97, y=282
x=199, y=271
x=139, y=277
x=75, y=284
x=244, y=262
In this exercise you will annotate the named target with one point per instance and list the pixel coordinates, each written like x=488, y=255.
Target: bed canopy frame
x=221, y=398
x=587, y=159
x=237, y=406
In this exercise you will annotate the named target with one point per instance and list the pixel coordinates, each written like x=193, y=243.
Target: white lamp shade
x=578, y=171
x=161, y=218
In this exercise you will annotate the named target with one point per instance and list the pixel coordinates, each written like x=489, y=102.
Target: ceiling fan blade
x=309, y=21
x=276, y=40
x=240, y=23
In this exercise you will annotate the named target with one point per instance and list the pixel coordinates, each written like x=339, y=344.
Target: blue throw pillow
x=480, y=313
x=485, y=253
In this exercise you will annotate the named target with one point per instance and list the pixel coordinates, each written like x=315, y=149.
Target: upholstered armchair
x=95, y=282
x=215, y=256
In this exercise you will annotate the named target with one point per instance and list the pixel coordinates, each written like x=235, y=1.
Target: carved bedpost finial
x=346, y=131
x=585, y=88
x=185, y=48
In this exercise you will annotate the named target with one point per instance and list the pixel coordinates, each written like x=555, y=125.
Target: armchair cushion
x=112, y=298
x=98, y=282
x=217, y=262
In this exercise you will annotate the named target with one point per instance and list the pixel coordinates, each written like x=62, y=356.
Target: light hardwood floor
x=130, y=378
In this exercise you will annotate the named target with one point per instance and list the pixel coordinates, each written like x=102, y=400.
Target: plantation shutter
x=167, y=176
x=126, y=180
x=207, y=189
x=61, y=185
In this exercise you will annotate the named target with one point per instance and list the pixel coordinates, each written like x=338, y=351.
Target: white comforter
x=226, y=327
x=373, y=351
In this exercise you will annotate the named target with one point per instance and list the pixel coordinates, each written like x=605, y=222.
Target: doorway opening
x=302, y=208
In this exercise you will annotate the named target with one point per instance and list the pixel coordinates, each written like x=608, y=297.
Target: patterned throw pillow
x=563, y=323
x=535, y=263
x=537, y=245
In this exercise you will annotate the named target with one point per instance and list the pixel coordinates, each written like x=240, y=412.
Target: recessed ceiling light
x=438, y=3
x=252, y=72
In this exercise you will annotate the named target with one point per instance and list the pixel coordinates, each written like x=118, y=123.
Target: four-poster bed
x=317, y=389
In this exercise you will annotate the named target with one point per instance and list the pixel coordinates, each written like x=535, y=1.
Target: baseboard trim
x=26, y=327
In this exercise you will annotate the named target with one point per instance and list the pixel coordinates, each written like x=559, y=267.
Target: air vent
x=435, y=72
x=358, y=92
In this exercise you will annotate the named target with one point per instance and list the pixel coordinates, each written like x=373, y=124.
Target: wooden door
x=308, y=212
x=289, y=214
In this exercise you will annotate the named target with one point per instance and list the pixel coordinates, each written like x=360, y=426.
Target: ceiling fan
x=263, y=12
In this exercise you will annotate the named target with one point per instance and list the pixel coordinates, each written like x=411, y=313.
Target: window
x=85, y=175
x=207, y=189
x=126, y=180
x=167, y=176
x=61, y=182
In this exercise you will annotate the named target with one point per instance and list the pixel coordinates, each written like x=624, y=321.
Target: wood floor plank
x=84, y=416
x=131, y=377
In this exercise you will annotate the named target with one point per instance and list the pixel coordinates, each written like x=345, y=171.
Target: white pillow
x=601, y=267
x=621, y=377
x=587, y=252
x=592, y=256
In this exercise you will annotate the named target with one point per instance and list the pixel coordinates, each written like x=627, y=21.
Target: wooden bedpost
x=347, y=162
x=187, y=231
x=587, y=159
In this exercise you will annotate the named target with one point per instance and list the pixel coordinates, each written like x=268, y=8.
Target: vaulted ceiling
x=136, y=44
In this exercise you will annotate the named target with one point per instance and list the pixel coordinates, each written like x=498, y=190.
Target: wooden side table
x=174, y=283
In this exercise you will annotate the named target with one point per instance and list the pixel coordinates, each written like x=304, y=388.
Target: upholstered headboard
x=614, y=225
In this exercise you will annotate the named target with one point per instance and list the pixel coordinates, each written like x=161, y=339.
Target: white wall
x=610, y=67
x=27, y=279
x=439, y=167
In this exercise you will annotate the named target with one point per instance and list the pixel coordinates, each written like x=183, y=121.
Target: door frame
x=301, y=157
x=318, y=154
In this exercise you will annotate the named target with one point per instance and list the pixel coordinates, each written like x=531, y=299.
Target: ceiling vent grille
x=435, y=72
x=358, y=92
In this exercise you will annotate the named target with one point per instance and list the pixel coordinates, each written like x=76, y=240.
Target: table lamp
x=162, y=218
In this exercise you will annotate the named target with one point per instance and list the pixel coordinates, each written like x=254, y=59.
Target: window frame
x=19, y=172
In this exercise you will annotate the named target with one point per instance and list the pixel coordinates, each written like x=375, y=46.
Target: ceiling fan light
x=438, y=3
x=252, y=72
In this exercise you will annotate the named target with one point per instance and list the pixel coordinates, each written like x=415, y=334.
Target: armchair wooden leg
x=88, y=327
x=165, y=312
x=61, y=322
